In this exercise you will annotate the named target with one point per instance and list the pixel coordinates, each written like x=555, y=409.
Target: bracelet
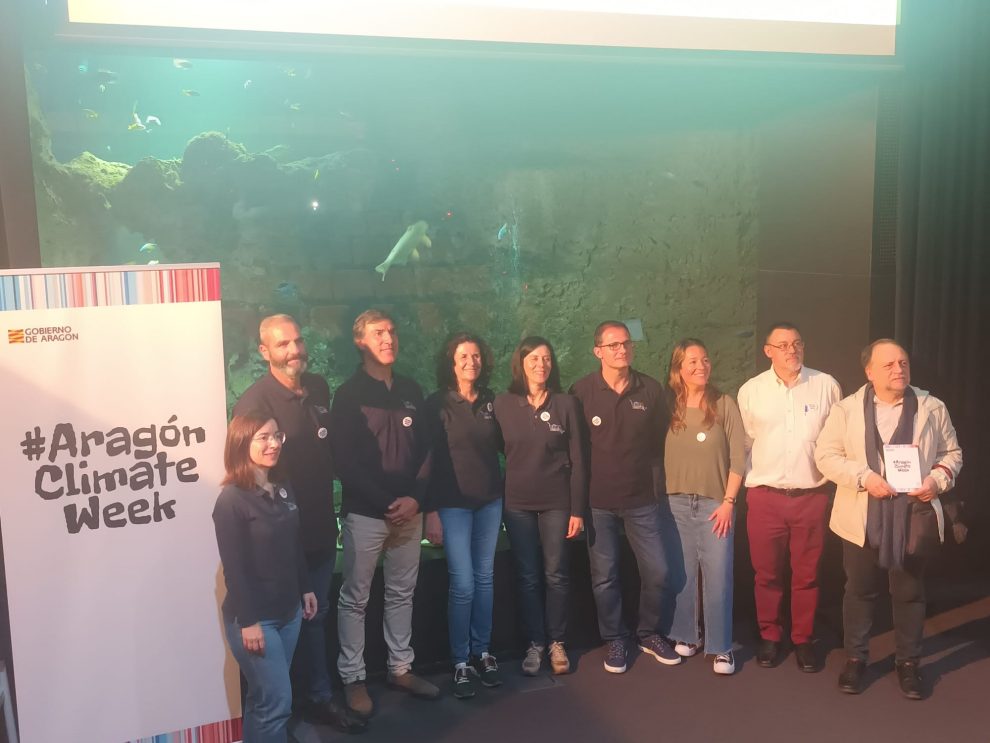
x=730, y=501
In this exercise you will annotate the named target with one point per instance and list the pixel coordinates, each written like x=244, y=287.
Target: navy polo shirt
x=626, y=434
x=380, y=440
x=305, y=460
x=466, y=440
x=544, y=454
x=263, y=563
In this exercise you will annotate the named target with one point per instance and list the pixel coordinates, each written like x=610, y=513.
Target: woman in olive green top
x=704, y=460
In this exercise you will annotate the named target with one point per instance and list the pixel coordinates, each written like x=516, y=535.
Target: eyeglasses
x=795, y=346
x=614, y=347
x=271, y=438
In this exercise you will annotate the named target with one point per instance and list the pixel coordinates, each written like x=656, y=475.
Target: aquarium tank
x=542, y=195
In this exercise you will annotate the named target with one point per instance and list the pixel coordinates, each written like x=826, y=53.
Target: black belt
x=792, y=492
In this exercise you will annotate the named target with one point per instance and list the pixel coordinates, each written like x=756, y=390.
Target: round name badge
x=701, y=436
x=544, y=416
x=282, y=494
x=407, y=421
x=321, y=432
x=490, y=407
x=596, y=421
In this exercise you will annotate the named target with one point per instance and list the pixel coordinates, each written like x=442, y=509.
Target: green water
x=558, y=193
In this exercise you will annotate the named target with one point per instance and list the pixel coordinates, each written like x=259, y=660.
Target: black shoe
x=766, y=654
x=463, y=682
x=909, y=677
x=487, y=670
x=333, y=713
x=851, y=678
x=804, y=654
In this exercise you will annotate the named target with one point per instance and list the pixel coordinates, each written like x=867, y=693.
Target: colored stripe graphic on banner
x=158, y=285
x=217, y=732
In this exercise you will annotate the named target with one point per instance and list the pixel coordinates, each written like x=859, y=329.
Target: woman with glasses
x=545, y=495
x=704, y=462
x=268, y=595
x=466, y=492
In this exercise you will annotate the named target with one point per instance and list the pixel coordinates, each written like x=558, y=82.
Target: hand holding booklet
x=902, y=467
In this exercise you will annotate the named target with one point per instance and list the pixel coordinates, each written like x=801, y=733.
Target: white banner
x=111, y=445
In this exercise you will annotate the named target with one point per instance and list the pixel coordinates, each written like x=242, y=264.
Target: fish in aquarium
x=181, y=64
x=287, y=291
x=149, y=120
x=189, y=93
x=248, y=84
x=90, y=113
x=148, y=248
x=407, y=248
x=502, y=231
x=136, y=124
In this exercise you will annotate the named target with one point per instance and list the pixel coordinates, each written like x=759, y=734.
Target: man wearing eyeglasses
x=300, y=402
x=626, y=420
x=783, y=410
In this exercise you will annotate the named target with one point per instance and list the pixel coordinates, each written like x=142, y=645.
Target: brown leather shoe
x=804, y=654
x=358, y=700
x=414, y=685
x=909, y=677
x=851, y=678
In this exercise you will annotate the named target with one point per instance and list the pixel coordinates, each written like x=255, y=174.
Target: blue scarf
x=888, y=519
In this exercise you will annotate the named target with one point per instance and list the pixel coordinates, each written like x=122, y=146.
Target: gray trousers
x=364, y=540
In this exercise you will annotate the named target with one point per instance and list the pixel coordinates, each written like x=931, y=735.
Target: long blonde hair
x=677, y=390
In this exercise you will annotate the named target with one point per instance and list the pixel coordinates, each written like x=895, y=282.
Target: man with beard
x=300, y=403
x=381, y=445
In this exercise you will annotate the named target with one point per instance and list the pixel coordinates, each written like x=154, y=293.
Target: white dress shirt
x=782, y=424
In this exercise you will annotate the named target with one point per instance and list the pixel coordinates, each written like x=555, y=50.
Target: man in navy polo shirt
x=300, y=402
x=627, y=419
x=380, y=440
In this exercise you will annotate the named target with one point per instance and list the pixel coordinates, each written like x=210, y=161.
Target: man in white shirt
x=783, y=409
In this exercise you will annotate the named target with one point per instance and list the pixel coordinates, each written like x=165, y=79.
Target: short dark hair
x=526, y=346
x=237, y=448
x=603, y=326
x=867, y=355
x=445, y=361
x=780, y=326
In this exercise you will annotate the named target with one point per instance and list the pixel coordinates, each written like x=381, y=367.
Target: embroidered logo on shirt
x=408, y=405
x=596, y=421
x=637, y=405
x=282, y=494
x=489, y=407
x=321, y=432
x=544, y=416
x=407, y=421
x=556, y=429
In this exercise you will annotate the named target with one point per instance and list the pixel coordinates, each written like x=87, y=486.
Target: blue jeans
x=469, y=538
x=539, y=551
x=268, y=703
x=310, y=676
x=693, y=546
x=642, y=528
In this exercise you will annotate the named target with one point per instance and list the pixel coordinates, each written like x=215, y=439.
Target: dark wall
x=816, y=203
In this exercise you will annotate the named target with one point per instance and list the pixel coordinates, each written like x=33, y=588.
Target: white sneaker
x=724, y=664
x=685, y=649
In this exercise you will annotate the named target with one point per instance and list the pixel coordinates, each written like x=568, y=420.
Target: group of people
x=619, y=453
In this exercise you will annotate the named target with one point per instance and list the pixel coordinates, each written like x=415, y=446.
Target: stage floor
x=689, y=703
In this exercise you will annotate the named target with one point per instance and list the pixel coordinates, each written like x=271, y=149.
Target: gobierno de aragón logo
x=42, y=334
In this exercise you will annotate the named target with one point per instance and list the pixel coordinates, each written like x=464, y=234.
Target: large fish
x=407, y=248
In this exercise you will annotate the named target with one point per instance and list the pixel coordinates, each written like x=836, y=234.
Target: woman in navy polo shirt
x=545, y=495
x=268, y=594
x=465, y=497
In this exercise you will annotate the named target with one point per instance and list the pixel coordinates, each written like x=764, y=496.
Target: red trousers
x=786, y=528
